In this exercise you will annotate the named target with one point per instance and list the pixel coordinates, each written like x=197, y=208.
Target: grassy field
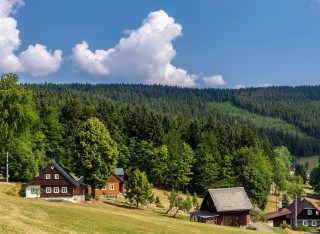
x=21, y=215
x=313, y=161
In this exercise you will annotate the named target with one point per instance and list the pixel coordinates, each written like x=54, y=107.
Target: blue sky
x=189, y=43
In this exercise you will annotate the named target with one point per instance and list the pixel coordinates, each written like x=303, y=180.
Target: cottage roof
x=279, y=213
x=230, y=199
x=119, y=171
x=63, y=171
x=302, y=203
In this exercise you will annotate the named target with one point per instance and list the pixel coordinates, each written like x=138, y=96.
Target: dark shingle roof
x=279, y=213
x=230, y=199
x=65, y=173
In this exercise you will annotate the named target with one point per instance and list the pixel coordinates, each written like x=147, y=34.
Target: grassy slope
x=313, y=161
x=21, y=215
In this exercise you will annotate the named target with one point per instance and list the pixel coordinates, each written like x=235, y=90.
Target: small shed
x=224, y=206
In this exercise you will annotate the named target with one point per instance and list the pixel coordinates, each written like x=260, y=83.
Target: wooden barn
x=114, y=187
x=55, y=183
x=224, y=206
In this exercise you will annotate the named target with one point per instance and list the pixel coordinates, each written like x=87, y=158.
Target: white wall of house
x=33, y=191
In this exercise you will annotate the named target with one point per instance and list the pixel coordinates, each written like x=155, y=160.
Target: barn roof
x=119, y=171
x=230, y=199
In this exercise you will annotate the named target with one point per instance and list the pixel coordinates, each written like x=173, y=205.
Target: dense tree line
x=295, y=110
x=170, y=134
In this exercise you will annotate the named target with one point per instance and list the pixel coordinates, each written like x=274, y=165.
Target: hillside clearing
x=21, y=215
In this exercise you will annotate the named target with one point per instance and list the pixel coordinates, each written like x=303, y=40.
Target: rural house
x=55, y=183
x=224, y=206
x=114, y=187
x=308, y=214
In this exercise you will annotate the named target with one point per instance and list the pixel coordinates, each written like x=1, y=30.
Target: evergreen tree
x=285, y=200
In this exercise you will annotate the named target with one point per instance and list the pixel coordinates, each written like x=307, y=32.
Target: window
x=48, y=189
x=314, y=223
x=104, y=188
x=305, y=222
x=56, y=176
x=64, y=190
x=111, y=186
x=34, y=191
x=56, y=189
x=48, y=176
x=309, y=212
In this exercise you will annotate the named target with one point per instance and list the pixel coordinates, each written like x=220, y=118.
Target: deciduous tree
x=95, y=153
x=138, y=188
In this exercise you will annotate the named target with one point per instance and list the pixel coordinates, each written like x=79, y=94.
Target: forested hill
x=286, y=115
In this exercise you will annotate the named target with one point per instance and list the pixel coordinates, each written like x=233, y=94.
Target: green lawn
x=313, y=161
x=21, y=215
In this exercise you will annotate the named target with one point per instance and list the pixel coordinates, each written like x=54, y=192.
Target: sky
x=186, y=43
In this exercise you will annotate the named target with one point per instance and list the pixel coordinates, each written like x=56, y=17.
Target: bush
x=159, y=205
x=250, y=227
x=263, y=217
x=285, y=225
x=302, y=228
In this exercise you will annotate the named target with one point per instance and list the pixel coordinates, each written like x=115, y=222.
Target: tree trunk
x=176, y=213
x=93, y=191
x=137, y=204
x=170, y=208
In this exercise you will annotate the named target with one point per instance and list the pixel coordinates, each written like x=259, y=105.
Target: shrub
x=250, y=227
x=263, y=217
x=302, y=228
x=159, y=205
x=285, y=225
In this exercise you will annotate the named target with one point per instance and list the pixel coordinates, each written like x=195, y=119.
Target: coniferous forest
x=182, y=138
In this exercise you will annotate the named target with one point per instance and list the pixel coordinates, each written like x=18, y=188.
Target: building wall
x=117, y=187
x=235, y=219
x=33, y=191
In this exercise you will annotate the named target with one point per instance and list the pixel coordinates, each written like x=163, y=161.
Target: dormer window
x=309, y=212
x=56, y=176
x=48, y=176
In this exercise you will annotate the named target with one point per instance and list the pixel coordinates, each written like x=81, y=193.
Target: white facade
x=33, y=191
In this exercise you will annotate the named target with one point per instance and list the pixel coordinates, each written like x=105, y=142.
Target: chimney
x=301, y=197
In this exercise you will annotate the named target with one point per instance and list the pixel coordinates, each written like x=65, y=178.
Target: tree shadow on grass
x=121, y=205
x=313, y=196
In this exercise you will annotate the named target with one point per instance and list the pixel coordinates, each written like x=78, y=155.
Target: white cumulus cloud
x=214, y=80
x=36, y=60
x=144, y=56
x=240, y=86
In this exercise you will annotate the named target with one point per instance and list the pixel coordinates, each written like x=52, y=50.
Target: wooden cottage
x=224, y=206
x=55, y=183
x=114, y=187
x=308, y=214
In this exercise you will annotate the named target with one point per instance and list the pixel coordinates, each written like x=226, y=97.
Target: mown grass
x=21, y=215
x=312, y=161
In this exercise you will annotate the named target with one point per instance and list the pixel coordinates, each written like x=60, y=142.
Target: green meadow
x=21, y=215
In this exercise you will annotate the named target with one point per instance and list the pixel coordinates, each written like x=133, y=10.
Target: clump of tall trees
x=174, y=145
